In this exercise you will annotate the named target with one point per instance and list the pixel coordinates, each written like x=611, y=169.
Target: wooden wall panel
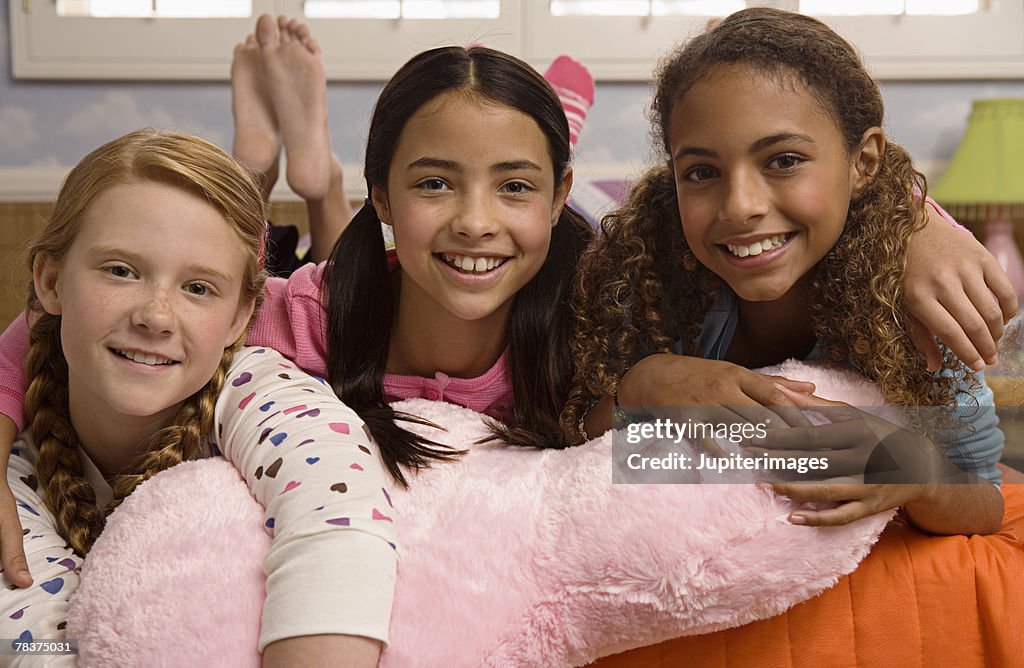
x=18, y=222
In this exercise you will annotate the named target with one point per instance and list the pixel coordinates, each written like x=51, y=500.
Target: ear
x=867, y=159
x=561, y=192
x=241, y=320
x=46, y=281
x=380, y=204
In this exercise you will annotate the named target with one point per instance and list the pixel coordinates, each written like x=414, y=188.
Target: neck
x=426, y=339
x=771, y=332
x=114, y=442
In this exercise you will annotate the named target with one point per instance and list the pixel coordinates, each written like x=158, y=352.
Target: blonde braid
x=68, y=495
x=181, y=441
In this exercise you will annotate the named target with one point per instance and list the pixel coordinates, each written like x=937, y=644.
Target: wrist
x=631, y=387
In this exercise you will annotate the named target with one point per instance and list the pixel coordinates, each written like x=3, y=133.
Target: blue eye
x=120, y=271
x=198, y=289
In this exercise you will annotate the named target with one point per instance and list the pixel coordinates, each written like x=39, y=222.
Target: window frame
x=44, y=46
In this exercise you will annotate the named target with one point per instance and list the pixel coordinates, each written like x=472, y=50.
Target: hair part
x=358, y=287
x=145, y=156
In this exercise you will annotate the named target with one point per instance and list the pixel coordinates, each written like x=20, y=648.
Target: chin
x=761, y=294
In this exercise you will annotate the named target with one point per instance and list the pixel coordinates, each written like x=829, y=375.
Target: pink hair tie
x=261, y=257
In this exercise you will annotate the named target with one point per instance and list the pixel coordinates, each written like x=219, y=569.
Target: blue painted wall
x=54, y=123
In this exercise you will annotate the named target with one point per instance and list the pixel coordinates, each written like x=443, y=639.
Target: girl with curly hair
x=777, y=227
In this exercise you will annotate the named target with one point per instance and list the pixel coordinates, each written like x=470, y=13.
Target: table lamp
x=984, y=182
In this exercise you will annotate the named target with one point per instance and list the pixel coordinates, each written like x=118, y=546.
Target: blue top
x=975, y=449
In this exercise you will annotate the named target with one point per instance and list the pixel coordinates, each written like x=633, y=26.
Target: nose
x=476, y=218
x=154, y=311
x=746, y=198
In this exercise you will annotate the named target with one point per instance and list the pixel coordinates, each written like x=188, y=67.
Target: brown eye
x=433, y=184
x=786, y=161
x=517, y=188
x=700, y=173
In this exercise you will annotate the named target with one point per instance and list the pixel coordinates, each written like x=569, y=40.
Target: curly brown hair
x=640, y=289
x=179, y=160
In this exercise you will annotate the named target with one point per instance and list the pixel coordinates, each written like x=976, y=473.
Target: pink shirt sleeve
x=945, y=215
x=292, y=321
x=13, y=352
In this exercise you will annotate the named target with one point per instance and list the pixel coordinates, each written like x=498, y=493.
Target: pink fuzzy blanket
x=507, y=557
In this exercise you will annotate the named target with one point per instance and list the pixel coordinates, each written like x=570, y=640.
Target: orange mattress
x=916, y=600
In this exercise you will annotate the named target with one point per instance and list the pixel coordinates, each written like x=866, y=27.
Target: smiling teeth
x=142, y=358
x=476, y=265
x=757, y=247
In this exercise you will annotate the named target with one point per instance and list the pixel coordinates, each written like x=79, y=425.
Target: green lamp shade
x=985, y=179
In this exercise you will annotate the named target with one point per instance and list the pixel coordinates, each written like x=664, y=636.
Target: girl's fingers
x=835, y=436
x=711, y=447
x=842, y=514
x=978, y=312
x=925, y=344
x=776, y=407
x=814, y=401
x=973, y=325
x=12, y=550
x=801, y=386
x=818, y=492
x=999, y=283
x=939, y=322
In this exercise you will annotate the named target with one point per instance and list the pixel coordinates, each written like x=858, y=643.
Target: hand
x=956, y=291
x=15, y=565
x=12, y=551
x=724, y=391
x=849, y=501
x=856, y=444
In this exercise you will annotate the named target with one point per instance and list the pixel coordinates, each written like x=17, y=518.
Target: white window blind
x=369, y=39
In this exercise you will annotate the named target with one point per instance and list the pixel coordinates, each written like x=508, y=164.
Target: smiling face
x=150, y=295
x=472, y=197
x=763, y=178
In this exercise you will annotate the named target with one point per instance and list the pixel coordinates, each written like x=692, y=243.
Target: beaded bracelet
x=621, y=418
x=583, y=418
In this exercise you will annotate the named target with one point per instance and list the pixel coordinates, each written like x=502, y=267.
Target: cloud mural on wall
x=17, y=129
x=117, y=112
x=44, y=122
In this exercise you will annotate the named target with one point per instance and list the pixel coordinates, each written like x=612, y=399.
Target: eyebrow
x=506, y=166
x=194, y=268
x=758, y=145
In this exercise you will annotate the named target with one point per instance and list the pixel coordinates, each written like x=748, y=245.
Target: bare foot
x=257, y=144
x=293, y=67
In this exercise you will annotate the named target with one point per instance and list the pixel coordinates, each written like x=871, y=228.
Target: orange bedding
x=916, y=600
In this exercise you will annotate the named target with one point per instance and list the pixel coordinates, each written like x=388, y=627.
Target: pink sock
x=575, y=87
